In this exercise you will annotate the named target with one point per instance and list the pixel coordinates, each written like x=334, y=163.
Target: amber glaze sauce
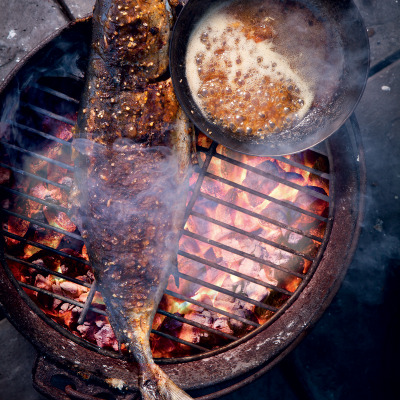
x=241, y=72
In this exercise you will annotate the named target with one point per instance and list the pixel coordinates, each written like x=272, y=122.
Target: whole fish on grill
x=132, y=146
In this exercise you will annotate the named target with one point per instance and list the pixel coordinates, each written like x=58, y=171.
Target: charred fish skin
x=132, y=156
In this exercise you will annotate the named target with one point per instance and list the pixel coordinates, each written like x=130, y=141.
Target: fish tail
x=154, y=384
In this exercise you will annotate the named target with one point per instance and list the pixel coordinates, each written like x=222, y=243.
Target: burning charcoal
x=34, y=165
x=43, y=282
x=5, y=204
x=71, y=289
x=57, y=128
x=256, y=292
x=295, y=178
x=5, y=176
x=191, y=334
x=174, y=328
x=316, y=161
x=249, y=268
x=66, y=306
x=83, y=329
x=237, y=218
x=68, y=315
x=200, y=318
x=282, y=258
x=214, y=188
x=317, y=189
x=197, y=309
x=29, y=208
x=310, y=203
x=296, y=240
x=100, y=323
x=163, y=347
x=45, y=237
x=52, y=149
x=59, y=219
x=60, y=175
x=45, y=300
x=301, y=244
x=202, y=337
x=204, y=228
x=267, y=275
x=16, y=226
x=55, y=288
x=275, y=212
x=105, y=337
x=260, y=183
x=222, y=300
x=203, y=140
x=84, y=253
x=56, y=303
x=190, y=246
x=241, y=309
x=90, y=276
x=222, y=324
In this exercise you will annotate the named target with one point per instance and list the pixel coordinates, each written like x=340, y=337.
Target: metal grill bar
x=199, y=182
x=304, y=167
x=93, y=290
x=211, y=308
x=35, y=199
x=33, y=154
x=227, y=292
x=196, y=193
x=62, y=298
x=55, y=93
x=44, y=225
x=88, y=302
x=197, y=325
x=40, y=133
x=287, y=161
x=49, y=114
x=240, y=253
x=262, y=217
x=48, y=271
x=282, y=203
x=273, y=177
x=175, y=339
x=251, y=235
x=233, y=272
x=44, y=247
x=33, y=176
x=102, y=312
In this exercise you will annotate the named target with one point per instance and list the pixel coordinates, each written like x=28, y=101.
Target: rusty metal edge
x=68, y=353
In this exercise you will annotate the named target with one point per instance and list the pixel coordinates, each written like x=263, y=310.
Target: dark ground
x=354, y=350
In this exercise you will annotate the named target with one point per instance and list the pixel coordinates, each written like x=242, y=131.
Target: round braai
x=265, y=245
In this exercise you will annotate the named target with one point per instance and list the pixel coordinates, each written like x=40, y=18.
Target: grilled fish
x=132, y=145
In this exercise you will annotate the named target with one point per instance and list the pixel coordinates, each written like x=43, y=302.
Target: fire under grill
x=254, y=249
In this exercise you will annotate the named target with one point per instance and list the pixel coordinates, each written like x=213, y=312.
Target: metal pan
x=342, y=21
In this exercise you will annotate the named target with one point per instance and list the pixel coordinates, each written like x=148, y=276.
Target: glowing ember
x=255, y=227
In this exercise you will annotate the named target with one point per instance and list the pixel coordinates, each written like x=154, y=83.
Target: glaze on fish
x=132, y=147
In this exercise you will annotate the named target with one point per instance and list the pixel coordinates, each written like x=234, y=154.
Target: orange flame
x=237, y=232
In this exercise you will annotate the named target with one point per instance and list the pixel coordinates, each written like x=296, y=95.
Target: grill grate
x=28, y=130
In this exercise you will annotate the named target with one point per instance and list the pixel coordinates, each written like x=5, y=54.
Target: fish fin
x=154, y=384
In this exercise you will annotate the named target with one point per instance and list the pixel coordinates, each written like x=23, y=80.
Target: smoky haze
x=127, y=196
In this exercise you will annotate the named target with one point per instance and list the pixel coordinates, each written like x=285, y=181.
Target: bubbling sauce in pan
x=249, y=64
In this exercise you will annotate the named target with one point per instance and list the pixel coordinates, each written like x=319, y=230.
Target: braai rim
x=319, y=124
x=85, y=23
x=65, y=351
x=272, y=343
